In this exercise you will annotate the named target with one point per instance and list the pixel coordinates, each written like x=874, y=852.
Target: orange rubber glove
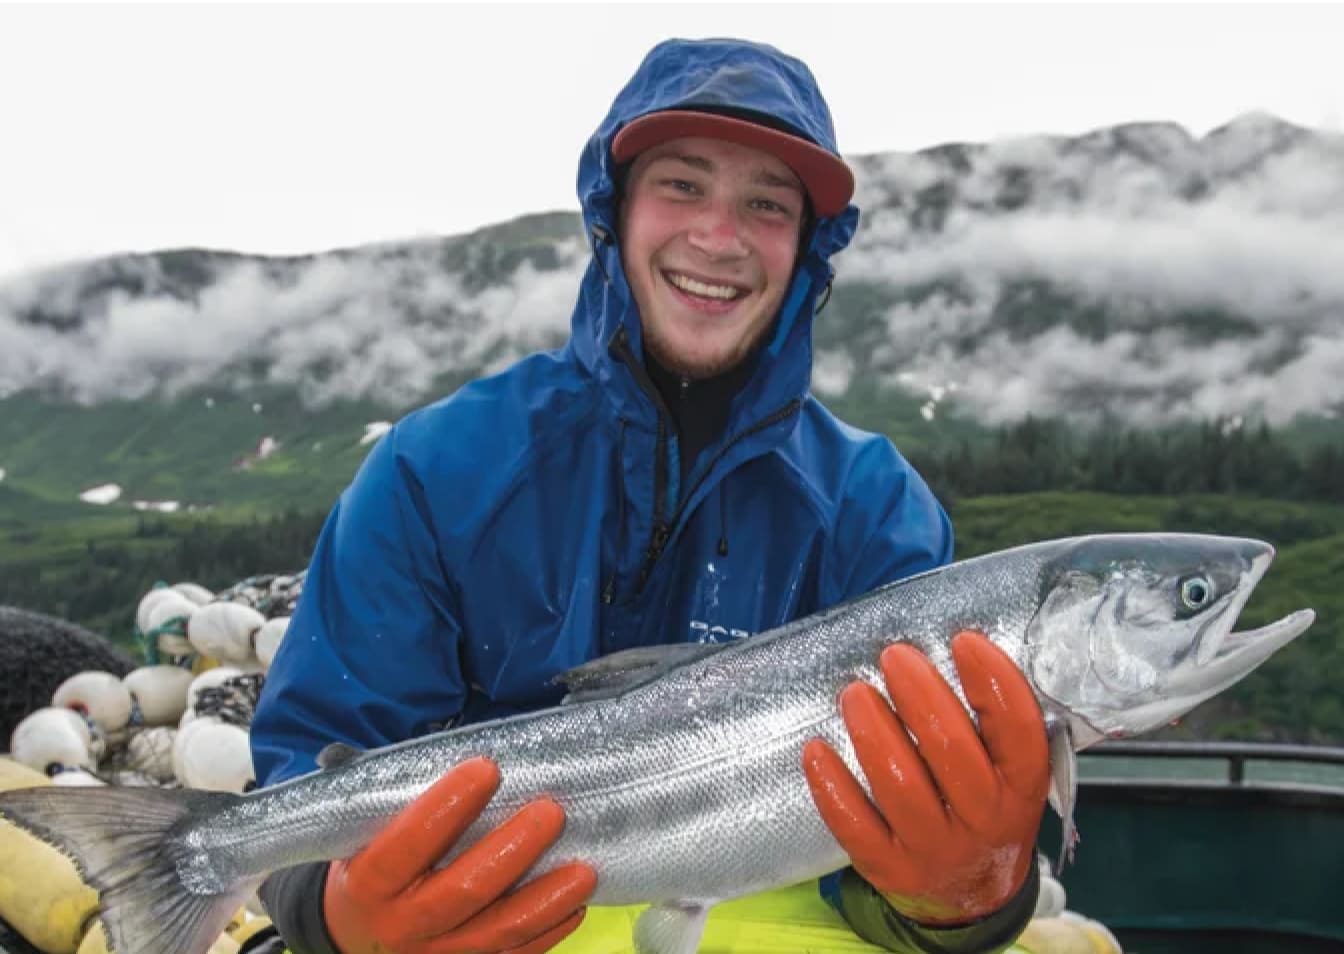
x=389, y=898
x=954, y=827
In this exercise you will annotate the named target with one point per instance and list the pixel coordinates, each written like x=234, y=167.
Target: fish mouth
x=1240, y=652
x=1267, y=639
x=1258, y=555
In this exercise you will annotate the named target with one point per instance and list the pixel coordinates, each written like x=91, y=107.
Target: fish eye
x=1196, y=592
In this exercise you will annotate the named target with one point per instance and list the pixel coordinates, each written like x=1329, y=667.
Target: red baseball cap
x=828, y=180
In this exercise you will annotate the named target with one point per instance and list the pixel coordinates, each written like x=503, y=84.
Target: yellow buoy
x=41, y=893
x=95, y=940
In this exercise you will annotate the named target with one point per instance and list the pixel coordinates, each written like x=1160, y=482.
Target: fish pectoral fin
x=336, y=755
x=674, y=927
x=1063, y=786
x=614, y=673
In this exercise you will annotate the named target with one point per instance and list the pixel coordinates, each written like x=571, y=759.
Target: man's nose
x=717, y=232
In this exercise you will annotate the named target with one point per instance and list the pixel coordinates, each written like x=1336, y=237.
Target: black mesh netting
x=37, y=654
x=270, y=594
x=233, y=701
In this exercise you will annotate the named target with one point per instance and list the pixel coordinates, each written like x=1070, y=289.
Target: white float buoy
x=251, y=665
x=160, y=692
x=151, y=752
x=208, y=680
x=268, y=639
x=215, y=756
x=147, y=603
x=194, y=592
x=99, y=695
x=52, y=737
x=175, y=647
x=224, y=630
x=185, y=731
x=169, y=606
x=1052, y=899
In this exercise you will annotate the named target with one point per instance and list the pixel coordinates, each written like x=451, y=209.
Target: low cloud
x=1136, y=271
x=359, y=325
x=1221, y=292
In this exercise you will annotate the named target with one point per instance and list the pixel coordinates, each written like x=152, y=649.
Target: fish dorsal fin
x=615, y=673
x=1063, y=786
x=336, y=755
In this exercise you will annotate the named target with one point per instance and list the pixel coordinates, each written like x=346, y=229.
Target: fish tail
x=123, y=842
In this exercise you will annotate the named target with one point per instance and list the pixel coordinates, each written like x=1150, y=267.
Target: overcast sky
x=283, y=129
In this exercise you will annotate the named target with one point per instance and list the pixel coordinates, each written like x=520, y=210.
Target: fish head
x=1134, y=630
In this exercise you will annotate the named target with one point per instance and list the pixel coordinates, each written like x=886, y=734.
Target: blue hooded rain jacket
x=535, y=520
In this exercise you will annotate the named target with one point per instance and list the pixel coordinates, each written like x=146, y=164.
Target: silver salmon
x=679, y=767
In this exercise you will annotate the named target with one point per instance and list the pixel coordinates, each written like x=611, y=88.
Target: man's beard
x=718, y=364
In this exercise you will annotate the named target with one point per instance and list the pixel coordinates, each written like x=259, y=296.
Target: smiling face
x=709, y=234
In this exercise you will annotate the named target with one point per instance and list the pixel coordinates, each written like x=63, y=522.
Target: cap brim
x=826, y=177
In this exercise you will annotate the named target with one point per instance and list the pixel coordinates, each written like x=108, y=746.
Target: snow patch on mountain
x=157, y=506
x=101, y=495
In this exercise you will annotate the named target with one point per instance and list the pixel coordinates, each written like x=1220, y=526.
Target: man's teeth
x=693, y=287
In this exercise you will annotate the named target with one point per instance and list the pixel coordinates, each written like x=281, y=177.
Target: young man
x=666, y=477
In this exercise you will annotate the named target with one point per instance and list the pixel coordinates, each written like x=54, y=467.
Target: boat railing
x=1242, y=762
x=1209, y=846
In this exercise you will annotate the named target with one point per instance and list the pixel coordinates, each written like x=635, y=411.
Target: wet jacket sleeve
x=370, y=657
x=877, y=922
x=293, y=899
x=889, y=527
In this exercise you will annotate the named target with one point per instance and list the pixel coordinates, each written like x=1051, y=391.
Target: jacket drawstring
x=609, y=588
x=600, y=236
x=723, y=517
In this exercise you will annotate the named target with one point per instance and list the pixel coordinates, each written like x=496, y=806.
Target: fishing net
x=37, y=654
x=233, y=701
x=270, y=594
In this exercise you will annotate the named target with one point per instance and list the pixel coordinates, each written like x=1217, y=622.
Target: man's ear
x=620, y=180
x=805, y=228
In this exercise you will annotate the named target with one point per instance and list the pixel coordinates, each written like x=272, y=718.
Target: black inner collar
x=698, y=406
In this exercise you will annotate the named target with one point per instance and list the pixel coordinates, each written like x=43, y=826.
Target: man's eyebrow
x=692, y=160
x=767, y=178
x=762, y=176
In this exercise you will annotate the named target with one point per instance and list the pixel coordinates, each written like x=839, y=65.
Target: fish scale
x=679, y=769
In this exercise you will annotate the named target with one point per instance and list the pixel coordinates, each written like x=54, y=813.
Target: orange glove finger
x=552, y=937
x=1010, y=716
x=482, y=873
x=423, y=832
x=844, y=807
x=532, y=911
x=900, y=782
x=948, y=742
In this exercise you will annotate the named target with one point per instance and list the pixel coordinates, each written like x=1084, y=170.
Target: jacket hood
x=705, y=74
